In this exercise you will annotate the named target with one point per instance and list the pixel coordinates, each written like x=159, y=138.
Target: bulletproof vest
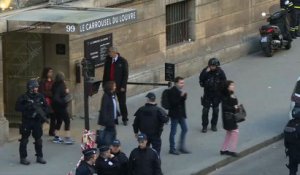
x=292, y=133
x=213, y=81
x=36, y=100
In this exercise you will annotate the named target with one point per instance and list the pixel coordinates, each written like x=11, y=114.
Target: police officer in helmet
x=292, y=141
x=211, y=79
x=34, y=110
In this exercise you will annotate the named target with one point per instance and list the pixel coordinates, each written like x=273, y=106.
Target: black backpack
x=165, y=102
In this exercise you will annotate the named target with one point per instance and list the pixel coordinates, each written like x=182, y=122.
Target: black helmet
x=296, y=112
x=31, y=84
x=213, y=62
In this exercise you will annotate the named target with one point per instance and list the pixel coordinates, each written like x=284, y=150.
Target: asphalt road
x=270, y=160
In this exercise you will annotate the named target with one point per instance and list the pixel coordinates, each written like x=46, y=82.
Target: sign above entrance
x=69, y=20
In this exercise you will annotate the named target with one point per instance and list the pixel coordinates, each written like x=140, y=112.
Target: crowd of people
x=50, y=97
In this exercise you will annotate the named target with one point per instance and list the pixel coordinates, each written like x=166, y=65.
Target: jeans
x=106, y=137
x=184, y=129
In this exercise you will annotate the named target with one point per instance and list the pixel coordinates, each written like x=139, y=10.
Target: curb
x=242, y=154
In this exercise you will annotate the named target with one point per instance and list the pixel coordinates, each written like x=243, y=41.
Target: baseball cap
x=151, y=96
x=89, y=152
x=141, y=137
x=103, y=149
x=116, y=142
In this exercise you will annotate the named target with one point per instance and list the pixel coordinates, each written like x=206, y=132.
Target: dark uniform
x=150, y=119
x=107, y=166
x=85, y=169
x=32, y=105
x=295, y=21
x=292, y=141
x=144, y=162
x=212, y=82
x=123, y=161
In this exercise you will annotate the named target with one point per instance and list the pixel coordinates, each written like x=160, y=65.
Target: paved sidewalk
x=263, y=85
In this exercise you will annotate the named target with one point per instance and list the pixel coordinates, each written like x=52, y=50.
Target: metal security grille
x=177, y=22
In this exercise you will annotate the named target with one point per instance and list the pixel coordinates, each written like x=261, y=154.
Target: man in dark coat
x=211, y=79
x=34, y=109
x=107, y=163
x=116, y=69
x=123, y=159
x=150, y=119
x=177, y=97
x=108, y=115
x=144, y=160
x=86, y=166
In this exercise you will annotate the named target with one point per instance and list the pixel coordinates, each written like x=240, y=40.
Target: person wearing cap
x=86, y=166
x=123, y=159
x=144, y=160
x=211, y=78
x=107, y=163
x=150, y=119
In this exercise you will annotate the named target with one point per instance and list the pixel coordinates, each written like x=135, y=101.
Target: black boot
x=24, y=161
x=214, y=128
x=40, y=160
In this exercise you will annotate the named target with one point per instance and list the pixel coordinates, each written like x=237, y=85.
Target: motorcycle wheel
x=288, y=45
x=268, y=51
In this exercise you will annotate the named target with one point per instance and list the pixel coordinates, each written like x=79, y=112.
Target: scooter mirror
x=287, y=2
x=263, y=14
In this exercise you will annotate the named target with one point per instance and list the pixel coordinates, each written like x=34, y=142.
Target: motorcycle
x=276, y=35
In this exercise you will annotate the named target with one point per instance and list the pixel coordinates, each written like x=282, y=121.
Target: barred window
x=177, y=22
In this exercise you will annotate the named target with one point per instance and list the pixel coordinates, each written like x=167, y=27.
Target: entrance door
x=23, y=59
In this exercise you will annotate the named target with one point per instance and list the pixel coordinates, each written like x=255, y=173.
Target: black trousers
x=207, y=102
x=295, y=21
x=27, y=128
x=155, y=141
x=52, y=124
x=123, y=107
x=293, y=164
x=62, y=115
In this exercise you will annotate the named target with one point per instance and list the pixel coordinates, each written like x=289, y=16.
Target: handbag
x=241, y=114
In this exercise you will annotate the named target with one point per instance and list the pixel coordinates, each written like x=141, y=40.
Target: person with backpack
x=150, y=119
x=211, y=79
x=292, y=141
x=177, y=97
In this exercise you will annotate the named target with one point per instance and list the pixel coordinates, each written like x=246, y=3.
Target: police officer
x=144, y=160
x=107, y=163
x=86, y=166
x=33, y=107
x=123, y=159
x=295, y=15
x=150, y=119
x=211, y=79
x=292, y=141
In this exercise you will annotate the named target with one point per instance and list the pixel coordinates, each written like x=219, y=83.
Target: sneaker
x=40, y=160
x=224, y=152
x=174, y=152
x=68, y=141
x=24, y=161
x=233, y=154
x=57, y=140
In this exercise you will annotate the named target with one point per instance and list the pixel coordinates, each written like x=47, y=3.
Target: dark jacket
x=296, y=3
x=59, y=94
x=121, y=72
x=150, y=120
x=26, y=105
x=123, y=160
x=292, y=141
x=212, y=81
x=106, y=114
x=144, y=162
x=177, y=103
x=107, y=166
x=228, y=103
x=85, y=169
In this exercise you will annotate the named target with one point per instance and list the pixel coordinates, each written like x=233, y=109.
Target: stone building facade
x=184, y=32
